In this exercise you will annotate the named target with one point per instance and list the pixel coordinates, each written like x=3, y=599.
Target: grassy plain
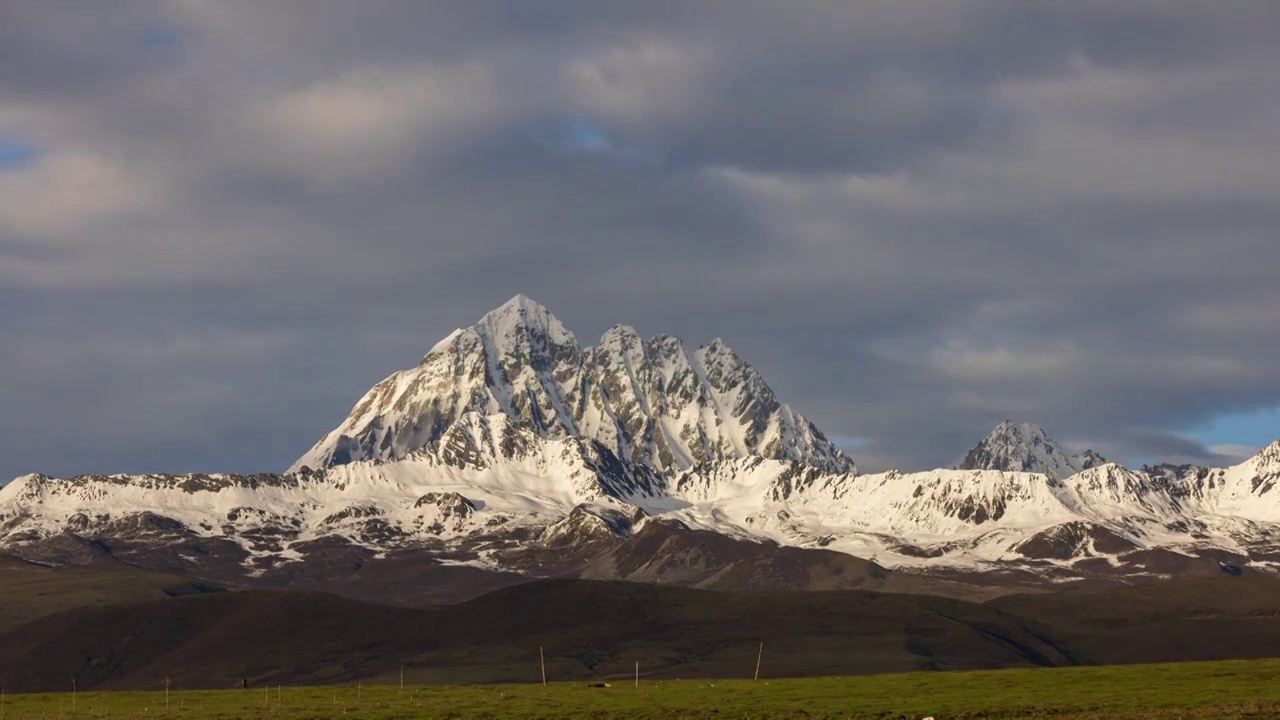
x=1229, y=689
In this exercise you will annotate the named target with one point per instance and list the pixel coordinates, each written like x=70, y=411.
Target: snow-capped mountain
x=653, y=403
x=1023, y=447
x=511, y=447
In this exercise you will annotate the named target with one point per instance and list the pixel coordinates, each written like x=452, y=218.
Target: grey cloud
x=915, y=218
x=51, y=51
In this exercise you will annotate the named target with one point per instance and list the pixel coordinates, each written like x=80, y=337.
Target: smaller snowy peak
x=726, y=371
x=621, y=335
x=30, y=477
x=1020, y=447
x=622, y=341
x=665, y=346
x=1087, y=460
x=1111, y=493
x=13, y=488
x=1262, y=470
x=717, y=346
x=1269, y=455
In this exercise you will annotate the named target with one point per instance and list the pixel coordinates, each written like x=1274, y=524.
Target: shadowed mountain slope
x=599, y=629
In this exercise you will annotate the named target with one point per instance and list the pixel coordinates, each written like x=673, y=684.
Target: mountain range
x=512, y=451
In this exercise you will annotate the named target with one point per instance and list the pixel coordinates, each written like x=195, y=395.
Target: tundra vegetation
x=1200, y=691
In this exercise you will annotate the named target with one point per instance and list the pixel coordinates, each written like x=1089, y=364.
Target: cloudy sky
x=221, y=221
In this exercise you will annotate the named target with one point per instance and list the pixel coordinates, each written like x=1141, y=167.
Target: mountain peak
x=1016, y=433
x=518, y=322
x=1026, y=428
x=621, y=333
x=1020, y=447
x=1088, y=459
x=520, y=301
x=1269, y=454
x=653, y=404
x=517, y=308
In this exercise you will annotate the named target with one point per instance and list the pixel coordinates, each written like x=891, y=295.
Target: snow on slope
x=1026, y=448
x=491, y=480
x=652, y=403
x=425, y=499
x=979, y=518
x=1248, y=490
x=510, y=432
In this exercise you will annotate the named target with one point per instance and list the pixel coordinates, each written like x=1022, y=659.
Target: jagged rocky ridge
x=653, y=403
x=510, y=447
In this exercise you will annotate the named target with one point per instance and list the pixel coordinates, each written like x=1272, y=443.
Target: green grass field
x=1234, y=689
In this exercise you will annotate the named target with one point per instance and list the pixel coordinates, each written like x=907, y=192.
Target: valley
x=597, y=630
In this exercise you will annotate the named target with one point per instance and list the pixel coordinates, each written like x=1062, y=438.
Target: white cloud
x=1239, y=453
x=1108, y=134
x=69, y=189
x=837, y=180
x=638, y=82
x=374, y=123
x=1003, y=364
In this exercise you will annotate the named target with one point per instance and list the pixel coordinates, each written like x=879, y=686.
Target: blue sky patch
x=570, y=134
x=1255, y=428
x=849, y=443
x=15, y=154
x=582, y=135
x=158, y=38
